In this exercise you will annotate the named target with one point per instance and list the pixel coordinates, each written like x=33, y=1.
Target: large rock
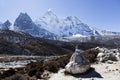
x=78, y=64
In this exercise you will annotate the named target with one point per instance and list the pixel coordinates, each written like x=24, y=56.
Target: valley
x=56, y=48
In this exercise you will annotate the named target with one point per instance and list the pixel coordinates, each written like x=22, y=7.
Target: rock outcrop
x=108, y=54
x=78, y=63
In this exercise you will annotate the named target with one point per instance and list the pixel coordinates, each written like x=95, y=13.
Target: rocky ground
x=107, y=66
x=7, y=61
x=102, y=71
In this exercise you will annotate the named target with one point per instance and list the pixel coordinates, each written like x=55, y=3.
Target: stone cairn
x=78, y=63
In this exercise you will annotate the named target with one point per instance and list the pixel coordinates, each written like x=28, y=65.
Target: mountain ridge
x=25, y=24
x=50, y=26
x=69, y=26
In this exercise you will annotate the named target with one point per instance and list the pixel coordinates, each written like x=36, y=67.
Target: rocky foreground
x=107, y=67
x=102, y=71
x=93, y=64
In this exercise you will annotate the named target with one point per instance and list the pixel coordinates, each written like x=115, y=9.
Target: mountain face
x=49, y=22
x=49, y=26
x=5, y=26
x=19, y=43
x=25, y=24
x=65, y=27
x=104, y=32
x=68, y=26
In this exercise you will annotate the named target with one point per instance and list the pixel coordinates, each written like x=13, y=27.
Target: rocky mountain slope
x=5, y=26
x=50, y=26
x=68, y=26
x=25, y=24
x=63, y=27
x=19, y=43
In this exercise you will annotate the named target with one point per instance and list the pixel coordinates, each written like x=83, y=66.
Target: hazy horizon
x=102, y=14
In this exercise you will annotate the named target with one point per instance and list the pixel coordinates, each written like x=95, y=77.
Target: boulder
x=102, y=57
x=78, y=63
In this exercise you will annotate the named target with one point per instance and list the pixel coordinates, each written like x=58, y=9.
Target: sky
x=102, y=14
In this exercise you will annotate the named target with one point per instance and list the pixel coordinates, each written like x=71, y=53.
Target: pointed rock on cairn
x=77, y=64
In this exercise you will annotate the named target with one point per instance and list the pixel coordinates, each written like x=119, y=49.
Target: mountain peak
x=49, y=14
x=49, y=9
x=50, y=25
x=5, y=26
x=7, y=23
x=23, y=21
x=50, y=17
x=24, y=16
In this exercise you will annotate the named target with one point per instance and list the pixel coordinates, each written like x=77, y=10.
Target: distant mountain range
x=30, y=37
x=49, y=26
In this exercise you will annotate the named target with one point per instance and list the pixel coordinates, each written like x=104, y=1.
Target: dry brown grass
x=91, y=55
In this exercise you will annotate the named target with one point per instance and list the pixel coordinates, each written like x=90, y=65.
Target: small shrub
x=52, y=66
x=32, y=72
x=35, y=69
x=91, y=55
x=38, y=75
x=63, y=60
x=8, y=73
x=16, y=77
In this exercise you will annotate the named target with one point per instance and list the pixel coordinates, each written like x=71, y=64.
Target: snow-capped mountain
x=49, y=22
x=50, y=26
x=5, y=26
x=104, y=32
x=72, y=25
x=68, y=26
x=63, y=27
x=25, y=24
